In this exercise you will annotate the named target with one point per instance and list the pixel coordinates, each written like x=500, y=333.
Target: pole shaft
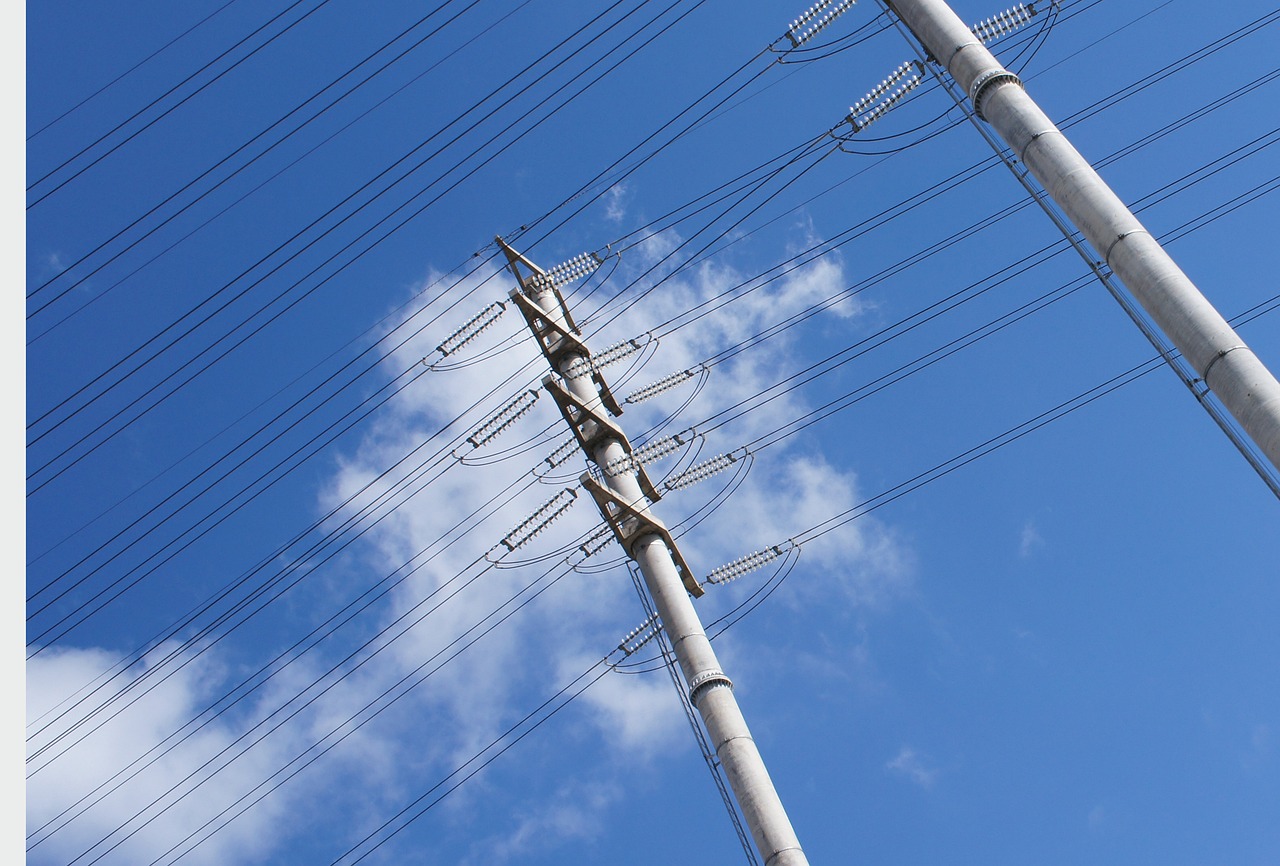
x=1217, y=353
x=711, y=692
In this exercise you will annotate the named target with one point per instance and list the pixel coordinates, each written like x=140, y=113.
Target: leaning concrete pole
x=1227, y=366
x=587, y=404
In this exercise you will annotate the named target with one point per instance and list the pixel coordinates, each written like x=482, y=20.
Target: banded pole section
x=1219, y=356
x=624, y=499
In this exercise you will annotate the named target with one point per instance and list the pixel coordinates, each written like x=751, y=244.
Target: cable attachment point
x=555, y=338
x=658, y=387
x=646, y=453
x=584, y=366
x=471, y=329
x=562, y=274
x=815, y=19
x=885, y=95
x=701, y=472
x=589, y=426
x=563, y=452
x=596, y=542
x=631, y=523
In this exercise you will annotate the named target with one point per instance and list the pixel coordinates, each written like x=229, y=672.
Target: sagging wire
x=742, y=466
x=798, y=55
x=399, y=225
x=760, y=594
x=703, y=373
x=519, y=449
x=255, y=597
x=814, y=147
x=909, y=75
x=354, y=722
x=526, y=531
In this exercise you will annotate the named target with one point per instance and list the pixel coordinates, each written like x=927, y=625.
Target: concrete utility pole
x=1227, y=366
x=623, y=498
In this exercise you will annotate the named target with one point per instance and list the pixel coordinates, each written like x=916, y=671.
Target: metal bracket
x=579, y=415
x=630, y=524
x=554, y=340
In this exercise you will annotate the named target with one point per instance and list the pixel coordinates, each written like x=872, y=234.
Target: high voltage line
x=828, y=246
x=400, y=482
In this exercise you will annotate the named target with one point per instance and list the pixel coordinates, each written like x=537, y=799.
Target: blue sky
x=1027, y=608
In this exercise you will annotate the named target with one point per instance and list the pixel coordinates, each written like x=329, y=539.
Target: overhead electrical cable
x=173, y=107
x=300, y=566
x=204, y=174
x=132, y=69
x=257, y=329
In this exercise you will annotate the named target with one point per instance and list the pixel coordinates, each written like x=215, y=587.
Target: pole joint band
x=1216, y=358
x=987, y=80
x=705, y=681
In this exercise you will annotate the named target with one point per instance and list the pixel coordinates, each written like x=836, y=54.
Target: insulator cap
x=744, y=565
x=540, y=519
x=645, y=632
x=576, y=268
x=867, y=110
x=505, y=417
x=597, y=541
x=1000, y=25
x=612, y=355
x=566, y=449
x=473, y=327
x=664, y=384
x=701, y=472
x=829, y=13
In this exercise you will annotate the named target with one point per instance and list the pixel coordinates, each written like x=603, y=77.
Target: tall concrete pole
x=668, y=579
x=1219, y=356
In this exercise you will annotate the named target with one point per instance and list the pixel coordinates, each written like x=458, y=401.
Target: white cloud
x=57, y=789
x=615, y=208
x=1097, y=818
x=787, y=490
x=573, y=814
x=1030, y=539
x=464, y=678
x=912, y=765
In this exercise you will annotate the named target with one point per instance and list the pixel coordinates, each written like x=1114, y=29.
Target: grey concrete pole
x=710, y=691
x=1217, y=353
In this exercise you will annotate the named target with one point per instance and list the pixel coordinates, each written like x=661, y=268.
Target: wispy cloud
x=469, y=634
x=574, y=813
x=1030, y=539
x=615, y=203
x=911, y=765
x=91, y=750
